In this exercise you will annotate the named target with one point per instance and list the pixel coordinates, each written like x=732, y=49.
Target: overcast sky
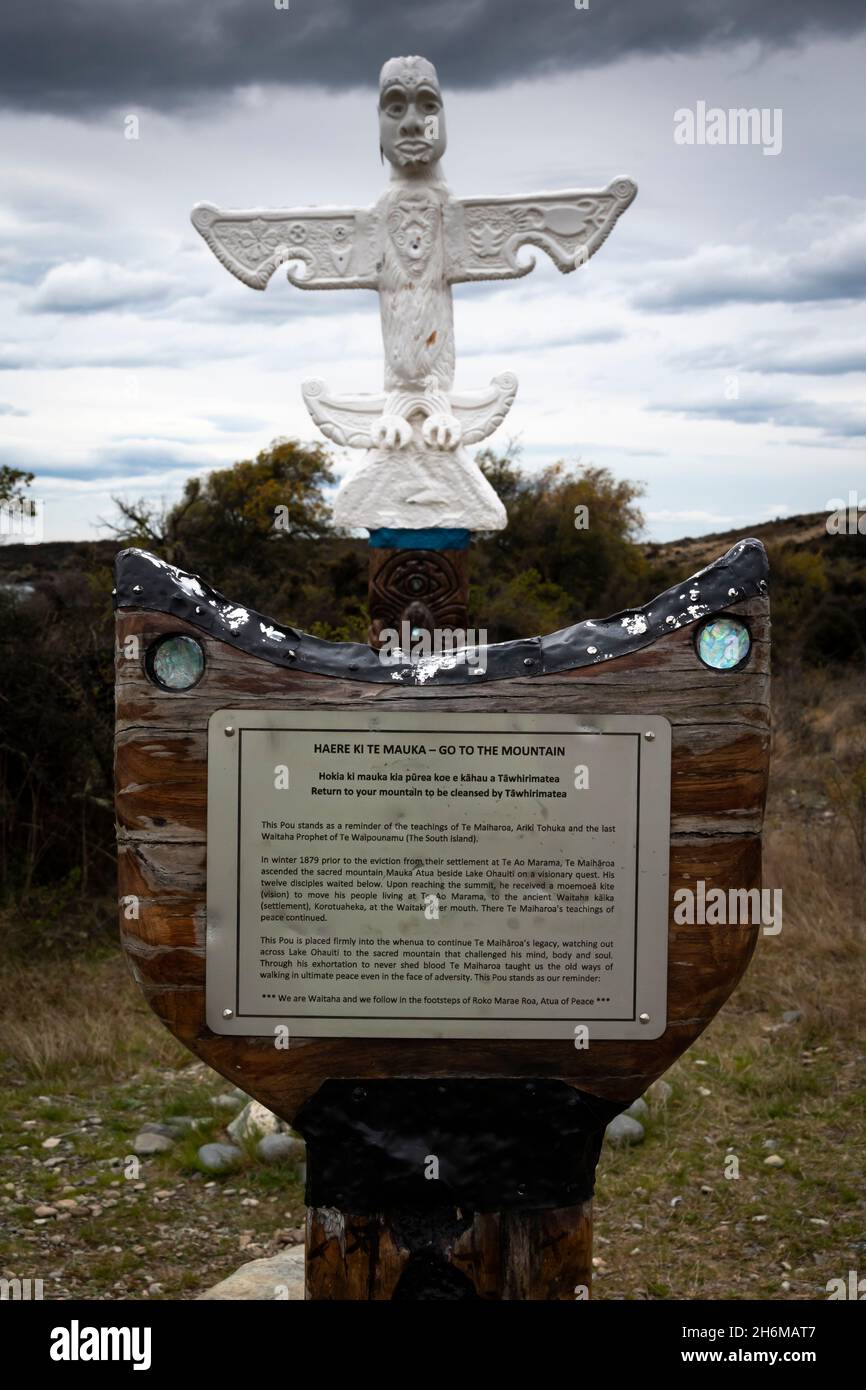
x=714, y=349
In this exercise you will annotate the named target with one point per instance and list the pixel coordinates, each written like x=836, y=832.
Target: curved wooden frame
x=721, y=742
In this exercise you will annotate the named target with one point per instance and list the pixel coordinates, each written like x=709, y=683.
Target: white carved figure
x=414, y=244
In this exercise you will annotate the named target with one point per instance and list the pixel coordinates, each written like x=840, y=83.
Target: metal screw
x=643, y=1018
x=230, y=728
x=228, y=1013
x=291, y=655
x=136, y=588
x=527, y=661
x=649, y=735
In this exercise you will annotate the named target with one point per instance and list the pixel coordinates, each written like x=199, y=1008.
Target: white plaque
x=437, y=874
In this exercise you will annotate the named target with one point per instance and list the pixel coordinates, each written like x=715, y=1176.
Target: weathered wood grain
x=510, y=1256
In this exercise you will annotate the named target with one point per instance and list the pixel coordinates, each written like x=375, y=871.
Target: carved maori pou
x=410, y=247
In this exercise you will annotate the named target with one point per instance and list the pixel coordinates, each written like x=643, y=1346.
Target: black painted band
x=493, y=1145
x=145, y=582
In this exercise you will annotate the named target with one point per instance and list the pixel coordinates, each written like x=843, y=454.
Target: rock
x=254, y=1121
x=175, y=1127
x=44, y=1210
x=774, y=1161
x=278, y=1277
x=281, y=1148
x=792, y=1015
x=165, y=1131
x=147, y=1143
x=227, y=1102
x=639, y=1110
x=623, y=1130
x=219, y=1158
x=658, y=1094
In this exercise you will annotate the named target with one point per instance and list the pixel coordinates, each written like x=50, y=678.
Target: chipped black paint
x=145, y=582
x=498, y=1144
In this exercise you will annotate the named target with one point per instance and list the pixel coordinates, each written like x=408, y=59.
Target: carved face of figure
x=411, y=116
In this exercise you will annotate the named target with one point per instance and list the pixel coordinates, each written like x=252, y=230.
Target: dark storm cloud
x=83, y=56
x=832, y=268
x=776, y=357
x=835, y=420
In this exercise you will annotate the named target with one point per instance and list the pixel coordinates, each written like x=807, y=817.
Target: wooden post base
x=447, y=1189
x=447, y=1255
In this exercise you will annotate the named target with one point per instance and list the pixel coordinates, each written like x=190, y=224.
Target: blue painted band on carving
x=399, y=538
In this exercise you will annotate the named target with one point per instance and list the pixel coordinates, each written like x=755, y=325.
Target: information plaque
x=437, y=874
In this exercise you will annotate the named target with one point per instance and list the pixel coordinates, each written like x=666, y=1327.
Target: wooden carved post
x=419, y=583
x=419, y=903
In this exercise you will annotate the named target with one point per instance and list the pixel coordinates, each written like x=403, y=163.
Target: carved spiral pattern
x=401, y=580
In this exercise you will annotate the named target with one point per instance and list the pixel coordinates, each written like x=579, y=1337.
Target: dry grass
x=669, y=1223
x=67, y=1020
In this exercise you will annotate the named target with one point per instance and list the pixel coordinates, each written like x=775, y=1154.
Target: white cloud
x=91, y=286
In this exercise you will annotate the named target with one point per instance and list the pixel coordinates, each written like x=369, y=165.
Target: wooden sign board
x=639, y=671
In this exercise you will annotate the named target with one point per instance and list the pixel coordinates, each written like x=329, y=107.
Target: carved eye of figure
x=423, y=579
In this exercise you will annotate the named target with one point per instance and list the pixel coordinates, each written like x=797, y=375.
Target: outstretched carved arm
x=486, y=234
x=334, y=245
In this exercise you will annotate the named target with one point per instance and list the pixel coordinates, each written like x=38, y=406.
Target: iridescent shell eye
x=175, y=662
x=723, y=643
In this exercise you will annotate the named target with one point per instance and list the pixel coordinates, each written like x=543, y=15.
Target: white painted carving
x=414, y=244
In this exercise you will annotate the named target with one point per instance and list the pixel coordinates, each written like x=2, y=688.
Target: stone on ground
x=219, y=1158
x=149, y=1143
x=277, y=1277
x=281, y=1148
x=623, y=1130
x=659, y=1093
x=254, y=1121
